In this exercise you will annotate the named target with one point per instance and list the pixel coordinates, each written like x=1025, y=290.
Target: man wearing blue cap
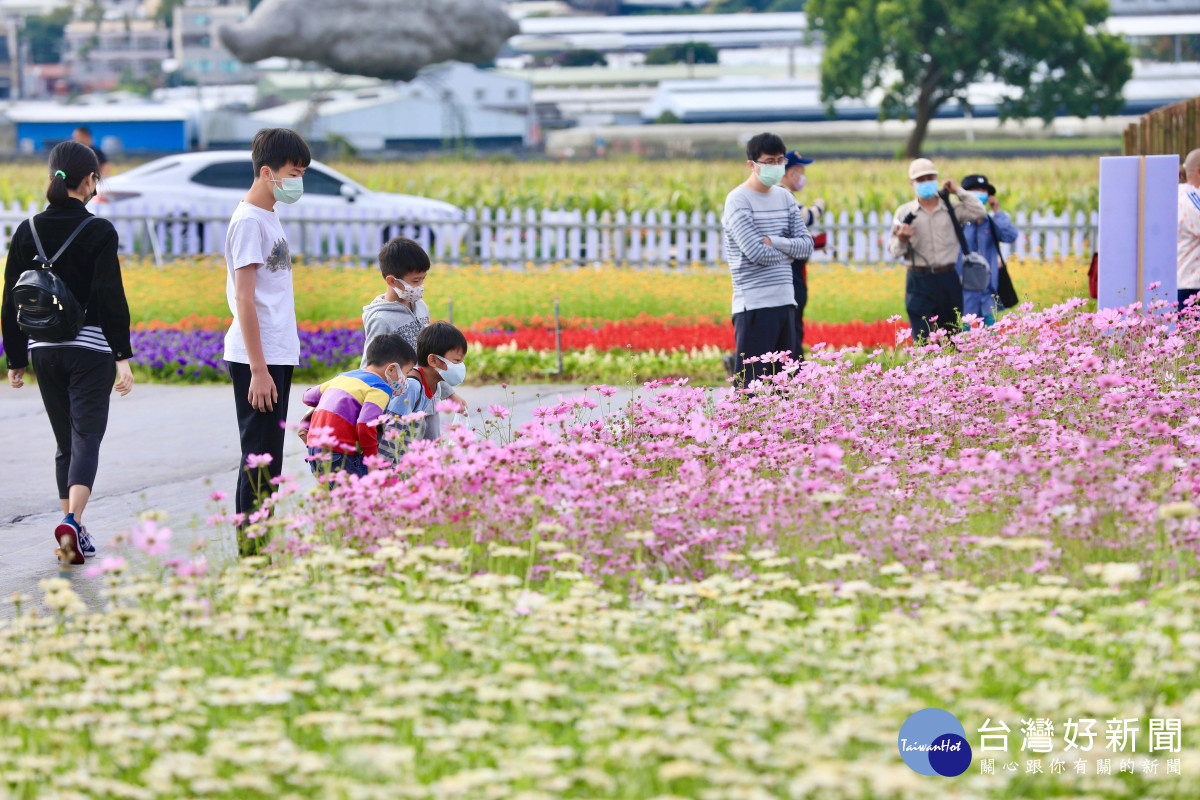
x=794, y=181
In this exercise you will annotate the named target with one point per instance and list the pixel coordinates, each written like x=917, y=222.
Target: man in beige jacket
x=923, y=237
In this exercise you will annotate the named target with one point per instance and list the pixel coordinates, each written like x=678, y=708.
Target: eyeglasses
x=779, y=162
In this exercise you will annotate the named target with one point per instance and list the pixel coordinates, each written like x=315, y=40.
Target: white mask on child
x=453, y=374
x=409, y=294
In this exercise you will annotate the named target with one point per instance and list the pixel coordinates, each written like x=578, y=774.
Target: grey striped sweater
x=761, y=273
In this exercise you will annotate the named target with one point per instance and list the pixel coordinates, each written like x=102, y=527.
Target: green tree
x=701, y=53
x=166, y=12
x=923, y=53
x=582, y=58
x=45, y=35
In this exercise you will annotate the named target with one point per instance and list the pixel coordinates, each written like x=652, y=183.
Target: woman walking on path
x=76, y=370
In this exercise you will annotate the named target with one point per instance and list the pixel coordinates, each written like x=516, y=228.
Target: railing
x=520, y=236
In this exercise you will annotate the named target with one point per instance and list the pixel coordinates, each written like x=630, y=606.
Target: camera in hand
x=909, y=219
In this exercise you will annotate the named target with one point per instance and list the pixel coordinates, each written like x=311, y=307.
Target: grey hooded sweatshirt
x=385, y=316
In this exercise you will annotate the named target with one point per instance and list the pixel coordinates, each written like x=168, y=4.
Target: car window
x=318, y=182
x=227, y=175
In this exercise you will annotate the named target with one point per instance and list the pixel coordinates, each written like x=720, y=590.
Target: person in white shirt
x=262, y=347
x=1188, y=267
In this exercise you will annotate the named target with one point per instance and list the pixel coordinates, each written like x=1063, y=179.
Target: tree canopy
x=924, y=53
x=701, y=53
x=45, y=35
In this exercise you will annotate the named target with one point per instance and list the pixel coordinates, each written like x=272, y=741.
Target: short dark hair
x=275, y=147
x=765, y=144
x=438, y=339
x=73, y=160
x=84, y=129
x=389, y=348
x=402, y=256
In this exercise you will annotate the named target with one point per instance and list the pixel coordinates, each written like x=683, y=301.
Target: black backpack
x=46, y=309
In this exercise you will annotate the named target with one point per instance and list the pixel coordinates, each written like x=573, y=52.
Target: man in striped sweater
x=764, y=232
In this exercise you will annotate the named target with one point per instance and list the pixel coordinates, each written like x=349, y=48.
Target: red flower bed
x=674, y=334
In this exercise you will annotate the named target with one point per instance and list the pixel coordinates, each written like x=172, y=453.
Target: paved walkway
x=167, y=448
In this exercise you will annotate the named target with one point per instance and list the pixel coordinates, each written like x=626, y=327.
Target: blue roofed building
x=118, y=129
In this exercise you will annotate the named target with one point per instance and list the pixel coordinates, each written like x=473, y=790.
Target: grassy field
x=1053, y=182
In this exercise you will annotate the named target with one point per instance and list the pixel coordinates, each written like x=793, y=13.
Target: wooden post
x=558, y=337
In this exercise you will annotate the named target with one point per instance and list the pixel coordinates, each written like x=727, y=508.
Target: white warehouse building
x=447, y=104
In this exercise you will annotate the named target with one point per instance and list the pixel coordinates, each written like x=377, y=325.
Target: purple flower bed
x=199, y=354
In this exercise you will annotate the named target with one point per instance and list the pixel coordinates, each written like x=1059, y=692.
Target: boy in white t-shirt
x=262, y=347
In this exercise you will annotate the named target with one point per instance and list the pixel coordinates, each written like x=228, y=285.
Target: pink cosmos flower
x=499, y=411
x=151, y=539
x=256, y=460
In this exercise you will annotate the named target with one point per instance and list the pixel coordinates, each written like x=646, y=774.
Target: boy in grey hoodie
x=400, y=309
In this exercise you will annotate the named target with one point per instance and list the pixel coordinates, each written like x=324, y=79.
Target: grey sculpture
x=389, y=39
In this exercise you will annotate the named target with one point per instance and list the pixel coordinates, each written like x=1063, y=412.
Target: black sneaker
x=730, y=363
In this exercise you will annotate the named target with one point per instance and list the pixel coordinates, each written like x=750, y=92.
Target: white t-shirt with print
x=256, y=236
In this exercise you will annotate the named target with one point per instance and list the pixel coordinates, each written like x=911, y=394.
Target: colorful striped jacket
x=350, y=405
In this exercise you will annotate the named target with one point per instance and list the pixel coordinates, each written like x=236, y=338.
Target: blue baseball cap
x=794, y=158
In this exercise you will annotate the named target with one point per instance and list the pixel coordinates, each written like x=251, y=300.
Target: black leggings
x=76, y=385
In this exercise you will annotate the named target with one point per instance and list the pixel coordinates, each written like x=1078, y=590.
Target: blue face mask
x=983, y=196
x=926, y=189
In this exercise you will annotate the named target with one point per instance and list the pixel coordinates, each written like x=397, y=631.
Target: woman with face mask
x=77, y=369
x=923, y=237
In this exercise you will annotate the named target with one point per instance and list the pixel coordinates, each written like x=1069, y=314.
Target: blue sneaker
x=68, y=534
x=85, y=543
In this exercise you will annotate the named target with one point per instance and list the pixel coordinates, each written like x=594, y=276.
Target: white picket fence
x=513, y=237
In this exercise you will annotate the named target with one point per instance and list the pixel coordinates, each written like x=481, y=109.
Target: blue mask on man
x=983, y=196
x=926, y=189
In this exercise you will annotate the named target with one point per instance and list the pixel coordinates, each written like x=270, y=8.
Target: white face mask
x=453, y=374
x=287, y=190
x=410, y=294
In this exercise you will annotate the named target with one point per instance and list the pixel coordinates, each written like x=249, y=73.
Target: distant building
x=118, y=128
x=98, y=55
x=26, y=8
x=1125, y=7
x=450, y=103
x=197, y=45
x=471, y=88
x=10, y=61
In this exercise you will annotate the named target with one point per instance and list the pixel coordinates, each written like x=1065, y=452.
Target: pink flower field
x=1055, y=440
x=703, y=594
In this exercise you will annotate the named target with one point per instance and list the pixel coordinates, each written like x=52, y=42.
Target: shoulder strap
x=996, y=240
x=958, y=231
x=37, y=242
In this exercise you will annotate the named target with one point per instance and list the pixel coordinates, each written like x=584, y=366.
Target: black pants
x=261, y=431
x=76, y=385
x=933, y=295
x=800, y=286
x=763, y=330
